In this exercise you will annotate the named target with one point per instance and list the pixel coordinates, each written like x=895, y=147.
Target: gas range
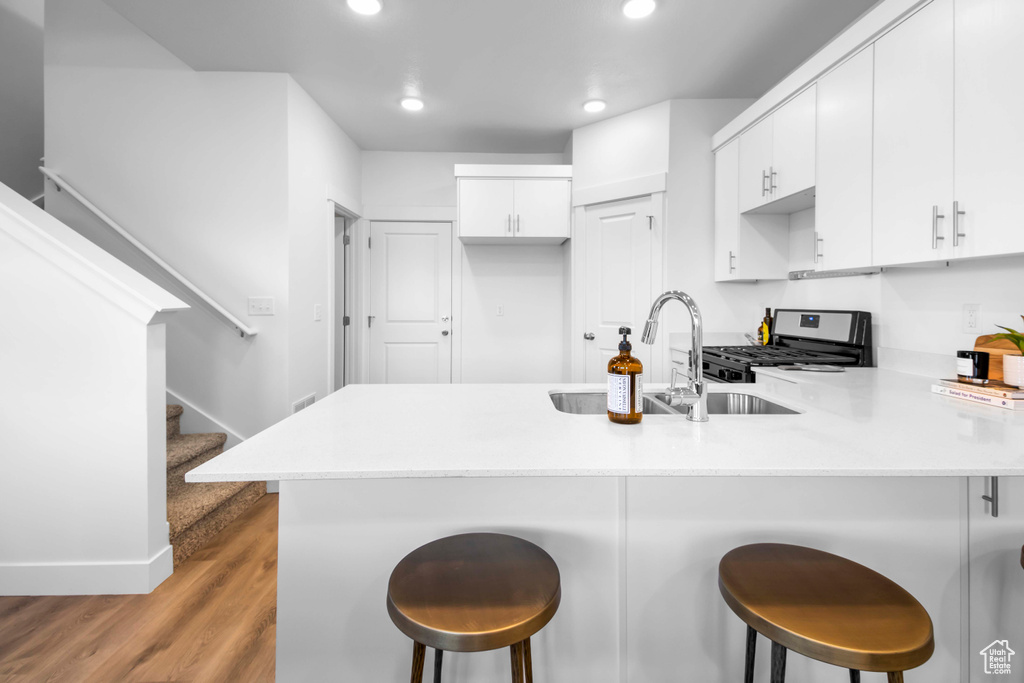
x=799, y=337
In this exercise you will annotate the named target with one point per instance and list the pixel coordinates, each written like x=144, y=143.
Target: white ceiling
x=496, y=75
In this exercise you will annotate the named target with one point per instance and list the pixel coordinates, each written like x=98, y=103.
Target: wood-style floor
x=214, y=619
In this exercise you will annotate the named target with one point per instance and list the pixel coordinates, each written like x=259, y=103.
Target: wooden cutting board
x=996, y=349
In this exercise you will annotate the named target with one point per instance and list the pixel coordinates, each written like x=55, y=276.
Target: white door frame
x=352, y=294
x=657, y=372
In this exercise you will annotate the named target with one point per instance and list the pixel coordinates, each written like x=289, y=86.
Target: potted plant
x=1013, y=364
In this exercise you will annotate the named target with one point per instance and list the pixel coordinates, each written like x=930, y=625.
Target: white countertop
x=863, y=422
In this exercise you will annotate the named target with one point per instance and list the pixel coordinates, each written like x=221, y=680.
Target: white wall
x=82, y=436
x=323, y=163
x=21, y=95
x=527, y=343
x=223, y=175
x=629, y=146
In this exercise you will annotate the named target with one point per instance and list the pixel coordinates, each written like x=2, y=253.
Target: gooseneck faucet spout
x=693, y=395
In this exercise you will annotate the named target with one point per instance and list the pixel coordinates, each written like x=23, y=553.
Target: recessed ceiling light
x=412, y=103
x=594, y=106
x=365, y=6
x=637, y=9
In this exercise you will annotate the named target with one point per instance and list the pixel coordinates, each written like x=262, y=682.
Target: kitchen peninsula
x=871, y=466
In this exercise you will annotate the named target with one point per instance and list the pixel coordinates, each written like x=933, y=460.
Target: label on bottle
x=618, y=394
x=639, y=393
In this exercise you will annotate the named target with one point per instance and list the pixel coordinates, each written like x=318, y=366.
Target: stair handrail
x=243, y=329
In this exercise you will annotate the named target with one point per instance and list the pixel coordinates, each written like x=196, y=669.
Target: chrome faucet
x=693, y=394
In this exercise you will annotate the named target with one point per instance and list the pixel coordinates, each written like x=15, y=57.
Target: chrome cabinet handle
x=817, y=242
x=935, y=226
x=771, y=185
x=956, y=224
x=764, y=183
x=509, y=223
x=517, y=223
x=589, y=336
x=732, y=258
x=994, y=498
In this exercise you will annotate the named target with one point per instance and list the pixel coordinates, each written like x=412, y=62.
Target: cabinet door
x=541, y=208
x=792, y=167
x=843, y=202
x=486, y=207
x=913, y=138
x=755, y=160
x=727, y=211
x=996, y=598
x=989, y=139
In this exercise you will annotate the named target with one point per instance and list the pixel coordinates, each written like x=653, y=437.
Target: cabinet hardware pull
x=732, y=257
x=994, y=498
x=510, y=223
x=517, y=223
x=764, y=183
x=956, y=224
x=935, y=226
x=817, y=241
x=772, y=186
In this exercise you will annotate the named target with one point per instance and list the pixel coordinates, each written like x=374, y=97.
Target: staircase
x=196, y=512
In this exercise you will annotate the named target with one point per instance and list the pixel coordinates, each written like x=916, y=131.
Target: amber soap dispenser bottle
x=625, y=384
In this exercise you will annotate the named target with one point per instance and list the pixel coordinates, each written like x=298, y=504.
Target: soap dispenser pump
x=625, y=384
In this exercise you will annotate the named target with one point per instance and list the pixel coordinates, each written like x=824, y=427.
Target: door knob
x=444, y=333
x=589, y=336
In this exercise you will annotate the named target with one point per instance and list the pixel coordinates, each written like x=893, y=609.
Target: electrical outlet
x=500, y=311
x=970, y=318
x=318, y=313
x=261, y=305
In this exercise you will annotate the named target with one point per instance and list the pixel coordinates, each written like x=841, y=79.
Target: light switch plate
x=261, y=305
x=318, y=313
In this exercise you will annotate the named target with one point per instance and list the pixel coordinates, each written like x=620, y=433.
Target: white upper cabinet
x=514, y=210
x=777, y=155
x=755, y=162
x=727, y=211
x=913, y=140
x=793, y=144
x=989, y=114
x=842, y=239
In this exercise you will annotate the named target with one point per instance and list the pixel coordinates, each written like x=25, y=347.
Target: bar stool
x=474, y=592
x=824, y=607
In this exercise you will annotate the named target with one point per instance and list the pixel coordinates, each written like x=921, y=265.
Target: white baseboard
x=197, y=421
x=87, y=578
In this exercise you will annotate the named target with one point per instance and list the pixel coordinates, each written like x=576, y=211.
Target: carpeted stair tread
x=192, y=502
x=184, y=447
x=174, y=412
x=194, y=537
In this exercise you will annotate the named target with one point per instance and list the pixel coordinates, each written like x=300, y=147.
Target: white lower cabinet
x=996, y=579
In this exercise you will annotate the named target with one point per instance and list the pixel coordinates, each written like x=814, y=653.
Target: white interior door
x=410, y=303
x=618, y=281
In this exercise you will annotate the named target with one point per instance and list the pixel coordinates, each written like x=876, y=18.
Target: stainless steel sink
x=744, y=404
x=596, y=403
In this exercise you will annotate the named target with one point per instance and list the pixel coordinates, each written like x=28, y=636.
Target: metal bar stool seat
x=825, y=607
x=474, y=592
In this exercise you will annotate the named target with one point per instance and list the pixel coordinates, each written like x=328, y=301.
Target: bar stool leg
x=516, y=652
x=854, y=676
x=895, y=677
x=748, y=670
x=779, y=663
x=438, y=657
x=419, y=653
x=528, y=661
